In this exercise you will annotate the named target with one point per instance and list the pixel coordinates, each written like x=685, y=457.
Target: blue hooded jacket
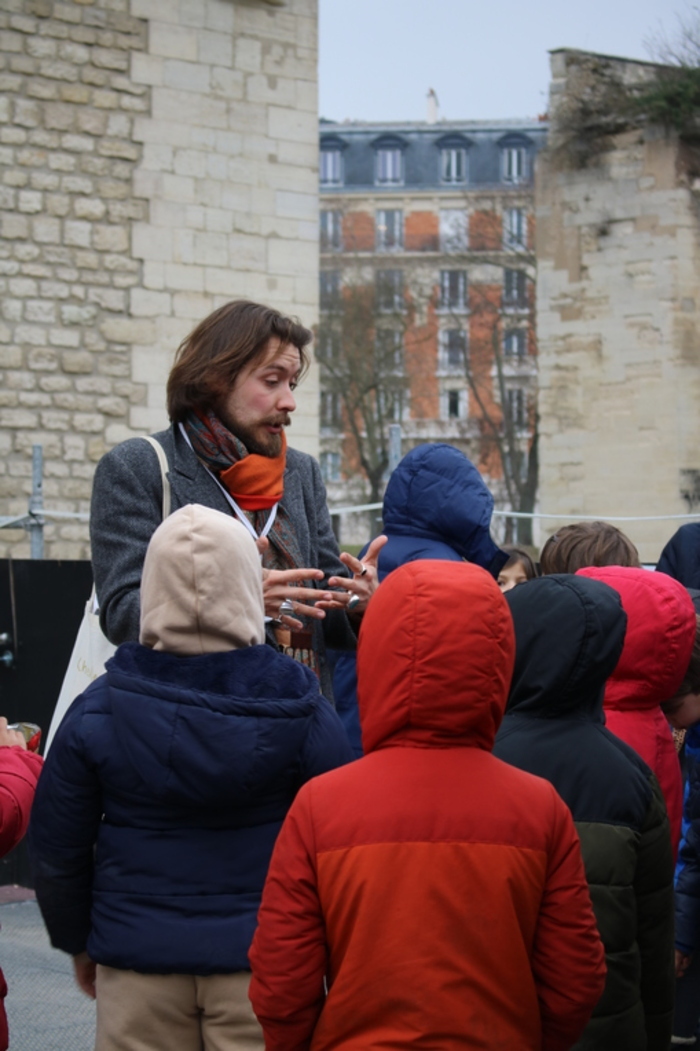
x=681, y=556
x=436, y=505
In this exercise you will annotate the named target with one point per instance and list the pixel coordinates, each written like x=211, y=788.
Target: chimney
x=433, y=107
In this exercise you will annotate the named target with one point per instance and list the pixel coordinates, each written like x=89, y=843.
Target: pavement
x=45, y=1009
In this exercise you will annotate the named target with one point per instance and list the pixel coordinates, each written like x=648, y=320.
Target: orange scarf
x=257, y=482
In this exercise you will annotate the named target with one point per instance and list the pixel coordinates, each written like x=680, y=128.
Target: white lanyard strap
x=240, y=515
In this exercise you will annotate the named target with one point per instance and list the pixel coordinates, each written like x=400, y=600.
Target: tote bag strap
x=92, y=650
x=164, y=468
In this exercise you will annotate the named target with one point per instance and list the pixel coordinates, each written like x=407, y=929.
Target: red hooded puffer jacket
x=437, y=892
x=658, y=644
x=19, y=773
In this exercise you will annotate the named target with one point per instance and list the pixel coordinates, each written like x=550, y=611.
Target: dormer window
x=389, y=167
x=331, y=161
x=331, y=168
x=453, y=164
x=515, y=159
x=453, y=153
x=388, y=161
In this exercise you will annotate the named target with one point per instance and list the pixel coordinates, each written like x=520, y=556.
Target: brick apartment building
x=427, y=298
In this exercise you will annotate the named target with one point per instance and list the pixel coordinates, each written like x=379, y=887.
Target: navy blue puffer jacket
x=688, y=864
x=437, y=505
x=161, y=799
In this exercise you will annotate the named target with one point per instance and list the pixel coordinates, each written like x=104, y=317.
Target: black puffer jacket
x=569, y=634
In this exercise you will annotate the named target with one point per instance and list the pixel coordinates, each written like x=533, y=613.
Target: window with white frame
x=330, y=409
x=514, y=164
x=331, y=167
x=516, y=406
x=329, y=281
x=454, y=404
x=514, y=289
x=331, y=231
x=389, y=166
x=328, y=346
x=453, y=230
x=453, y=165
x=389, y=405
x=453, y=349
x=330, y=466
x=453, y=289
x=514, y=228
x=514, y=342
x=389, y=348
x=389, y=226
x=389, y=287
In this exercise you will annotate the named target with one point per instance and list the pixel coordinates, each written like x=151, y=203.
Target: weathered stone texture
x=232, y=213
x=64, y=256
x=618, y=251
x=157, y=158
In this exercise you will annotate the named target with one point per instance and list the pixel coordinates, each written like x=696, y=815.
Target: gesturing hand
x=279, y=587
x=363, y=583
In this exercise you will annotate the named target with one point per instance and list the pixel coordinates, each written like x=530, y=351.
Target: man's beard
x=258, y=441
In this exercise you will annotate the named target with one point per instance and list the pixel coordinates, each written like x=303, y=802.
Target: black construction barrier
x=41, y=606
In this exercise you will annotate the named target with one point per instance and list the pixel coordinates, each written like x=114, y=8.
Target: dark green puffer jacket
x=569, y=636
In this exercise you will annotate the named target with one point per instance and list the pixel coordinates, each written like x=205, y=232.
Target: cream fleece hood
x=201, y=589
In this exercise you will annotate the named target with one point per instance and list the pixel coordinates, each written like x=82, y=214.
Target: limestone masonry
x=158, y=158
x=618, y=295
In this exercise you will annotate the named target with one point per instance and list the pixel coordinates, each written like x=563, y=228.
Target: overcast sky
x=485, y=60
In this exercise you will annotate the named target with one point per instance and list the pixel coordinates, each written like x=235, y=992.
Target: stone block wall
x=618, y=317
x=157, y=158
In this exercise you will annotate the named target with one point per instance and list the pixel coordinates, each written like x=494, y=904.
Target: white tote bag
x=92, y=649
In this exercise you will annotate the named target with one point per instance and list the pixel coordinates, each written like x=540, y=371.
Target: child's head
x=201, y=588
x=517, y=570
x=683, y=709
x=585, y=544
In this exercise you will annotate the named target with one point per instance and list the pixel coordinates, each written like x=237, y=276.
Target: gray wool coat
x=126, y=509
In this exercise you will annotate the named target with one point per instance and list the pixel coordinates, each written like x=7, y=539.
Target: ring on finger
x=286, y=608
x=353, y=603
x=363, y=569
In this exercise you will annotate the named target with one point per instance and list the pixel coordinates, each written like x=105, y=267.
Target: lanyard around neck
x=240, y=515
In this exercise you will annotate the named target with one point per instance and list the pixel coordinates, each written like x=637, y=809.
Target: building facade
x=618, y=252
x=157, y=159
x=427, y=298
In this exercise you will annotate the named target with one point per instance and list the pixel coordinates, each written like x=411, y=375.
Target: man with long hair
x=230, y=396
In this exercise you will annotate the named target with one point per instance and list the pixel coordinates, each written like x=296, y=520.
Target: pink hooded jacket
x=658, y=644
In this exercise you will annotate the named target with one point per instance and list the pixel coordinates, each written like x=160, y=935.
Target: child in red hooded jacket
x=19, y=773
x=428, y=895
x=658, y=645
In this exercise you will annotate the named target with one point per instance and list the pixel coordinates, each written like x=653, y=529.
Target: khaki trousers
x=174, y=1012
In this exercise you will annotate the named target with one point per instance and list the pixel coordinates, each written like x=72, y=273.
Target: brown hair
x=587, y=544
x=209, y=360
x=691, y=679
x=519, y=555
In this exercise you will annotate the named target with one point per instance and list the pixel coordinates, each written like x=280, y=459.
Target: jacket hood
x=680, y=558
x=569, y=634
x=661, y=626
x=434, y=658
x=201, y=589
x=437, y=493
x=660, y=636
x=210, y=730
